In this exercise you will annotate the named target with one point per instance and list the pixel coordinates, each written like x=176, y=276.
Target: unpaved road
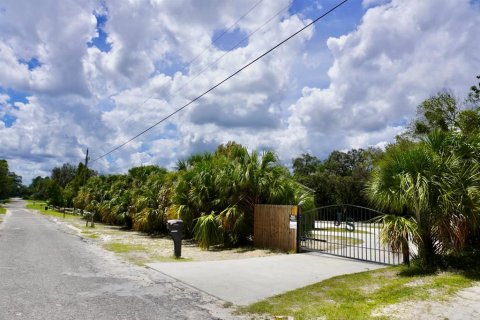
x=48, y=272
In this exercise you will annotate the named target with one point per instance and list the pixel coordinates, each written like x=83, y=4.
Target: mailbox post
x=176, y=231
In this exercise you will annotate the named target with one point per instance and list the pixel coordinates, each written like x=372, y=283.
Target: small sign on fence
x=293, y=222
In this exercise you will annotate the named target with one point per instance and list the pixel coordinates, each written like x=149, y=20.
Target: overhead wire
x=224, y=32
x=236, y=45
x=215, y=40
x=223, y=81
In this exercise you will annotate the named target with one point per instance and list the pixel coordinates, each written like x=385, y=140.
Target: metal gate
x=345, y=230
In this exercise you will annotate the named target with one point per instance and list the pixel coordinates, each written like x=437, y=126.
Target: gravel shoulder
x=140, y=248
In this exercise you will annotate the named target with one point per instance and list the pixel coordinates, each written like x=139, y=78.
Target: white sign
x=293, y=224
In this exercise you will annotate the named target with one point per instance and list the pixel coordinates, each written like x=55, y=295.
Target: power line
x=224, y=32
x=236, y=45
x=213, y=42
x=224, y=80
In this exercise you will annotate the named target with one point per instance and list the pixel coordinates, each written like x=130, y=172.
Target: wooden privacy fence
x=275, y=227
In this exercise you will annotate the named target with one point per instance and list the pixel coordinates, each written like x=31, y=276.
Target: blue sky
x=101, y=40
x=91, y=74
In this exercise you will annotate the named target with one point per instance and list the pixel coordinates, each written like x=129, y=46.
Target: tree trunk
x=426, y=249
x=406, y=252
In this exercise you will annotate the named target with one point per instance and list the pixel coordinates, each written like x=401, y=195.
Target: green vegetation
x=431, y=182
x=428, y=181
x=343, y=230
x=213, y=193
x=339, y=179
x=169, y=259
x=10, y=182
x=40, y=206
x=3, y=210
x=336, y=239
x=62, y=186
x=91, y=235
x=361, y=295
x=124, y=248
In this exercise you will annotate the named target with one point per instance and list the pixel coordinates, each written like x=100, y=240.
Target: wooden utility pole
x=86, y=169
x=85, y=172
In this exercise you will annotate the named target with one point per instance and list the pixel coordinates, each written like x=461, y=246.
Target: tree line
x=10, y=183
x=213, y=193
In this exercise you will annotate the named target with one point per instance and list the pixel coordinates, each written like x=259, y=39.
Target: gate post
x=299, y=228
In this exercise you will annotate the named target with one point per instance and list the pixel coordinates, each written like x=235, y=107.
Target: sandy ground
x=465, y=305
x=140, y=248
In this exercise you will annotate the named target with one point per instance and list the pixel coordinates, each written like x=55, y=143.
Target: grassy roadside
x=361, y=295
x=2, y=209
x=40, y=206
x=140, y=248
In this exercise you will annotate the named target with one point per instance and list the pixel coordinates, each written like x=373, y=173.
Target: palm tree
x=402, y=180
x=436, y=185
x=227, y=185
x=397, y=231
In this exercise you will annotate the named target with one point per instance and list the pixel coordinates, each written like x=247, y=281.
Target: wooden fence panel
x=272, y=228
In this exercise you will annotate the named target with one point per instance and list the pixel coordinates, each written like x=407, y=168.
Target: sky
x=78, y=74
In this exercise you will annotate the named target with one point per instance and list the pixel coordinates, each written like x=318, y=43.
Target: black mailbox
x=176, y=231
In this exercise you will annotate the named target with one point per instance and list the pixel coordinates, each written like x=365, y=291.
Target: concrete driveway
x=246, y=281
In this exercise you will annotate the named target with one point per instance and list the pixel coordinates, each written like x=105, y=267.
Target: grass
x=124, y=248
x=91, y=235
x=360, y=295
x=40, y=206
x=3, y=210
x=337, y=239
x=343, y=230
x=170, y=259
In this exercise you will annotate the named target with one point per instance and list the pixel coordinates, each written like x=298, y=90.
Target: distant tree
x=340, y=178
x=474, y=95
x=5, y=184
x=10, y=182
x=81, y=176
x=445, y=113
x=64, y=174
x=306, y=165
x=469, y=121
x=16, y=186
x=439, y=112
x=54, y=193
x=38, y=188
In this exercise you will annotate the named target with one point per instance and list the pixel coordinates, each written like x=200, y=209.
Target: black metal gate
x=345, y=230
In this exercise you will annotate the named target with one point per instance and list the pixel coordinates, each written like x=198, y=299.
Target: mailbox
x=176, y=231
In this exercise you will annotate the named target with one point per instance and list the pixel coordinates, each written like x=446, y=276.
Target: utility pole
x=86, y=169
x=92, y=224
